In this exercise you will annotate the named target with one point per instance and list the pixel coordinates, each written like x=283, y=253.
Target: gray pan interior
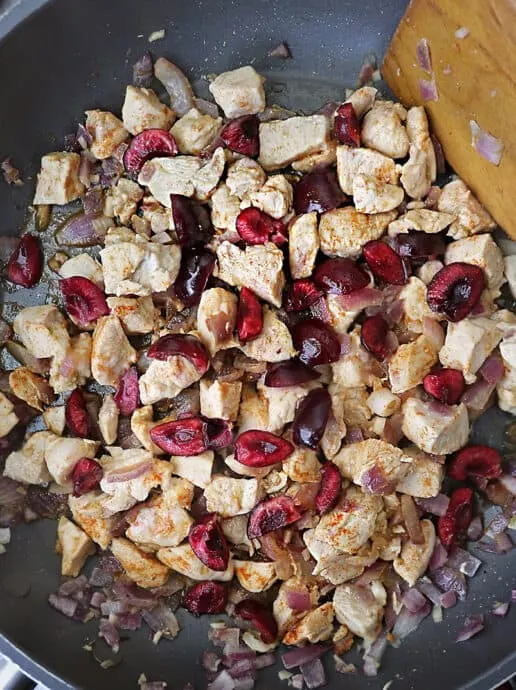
x=58, y=58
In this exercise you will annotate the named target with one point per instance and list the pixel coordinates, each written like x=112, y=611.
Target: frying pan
x=57, y=59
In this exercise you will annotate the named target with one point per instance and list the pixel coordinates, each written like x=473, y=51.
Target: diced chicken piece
x=158, y=524
x=74, y=545
x=411, y=363
x=382, y=129
x=361, y=161
x=244, y=177
x=383, y=402
x=303, y=245
x=428, y=271
x=183, y=560
x=285, y=141
x=482, y=251
x=235, y=531
x=315, y=626
x=220, y=399
x=303, y=466
x=111, y=353
x=30, y=387
x=422, y=219
x=225, y=208
x=274, y=344
x=166, y=379
x=137, y=314
x=371, y=196
x=216, y=319
x=506, y=389
x=361, y=608
x=420, y=170
x=471, y=216
x=142, y=421
x=510, y=272
x=72, y=368
x=54, y=418
x=350, y=405
x=254, y=411
x=373, y=464
x=468, y=344
x=178, y=492
x=325, y=157
x=42, y=330
x=62, y=454
x=255, y=576
x=141, y=567
x=28, y=464
x=258, y=267
x=275, y=197
x=282, y=403
x=339, y=318
x=274, y=481
x=285, y=616
x=208, y=177
x=362, y=100
x=415, y=306
x=58, y=180
x=85, y=266
x=344, y=231
x=239, y=92
x=414, y=558
x=335, y=430
x=196, y=469
x=8, y=418
x=230, y=497
x=107, y=132
x=88, y=512
x=142, y=109
x=122, y=200
x=425, y=475
x=173, y=175
x=335, y=566
x=154, y=214
x=108, y=420
x=508, y=349
x=436, y=429
x=195, y=131
x=419, y=135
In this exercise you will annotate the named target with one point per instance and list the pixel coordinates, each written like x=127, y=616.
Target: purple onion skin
x=311, y=418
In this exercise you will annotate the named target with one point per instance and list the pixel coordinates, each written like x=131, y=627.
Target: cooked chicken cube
x=437, y=429
x=254, y=411
x=362, y=100
x=335, y=566
x=88, y=512
x=137, y=314
x=165, y=379
x=28, y=465
x=420, y=170
x=415, y=305
x=74, y=545
x=122, y=200
x=419, y=134
x=510, y=272
x=303, y=245
x=71, y=369
x=258, y=267
x=108, y=420
x=274, y=344
x=383, y=402
x=344, y=231
x=285, y=616
x=58, y=180
x=352, y=162
x=506, y=390
x=183, y=560
x=422, y=219
x=375, y=465
x=111, y=353
x=8, y=417
x=107, y=132
x=372, y=196
x=239, y=92
x=208, y=177
x=325, y=157
x=285, y=141
x=303, y=466
x=142, y=109
x=468, y=344
x=158, y=524
x=142, y=421
x=178, y=492
x=425, y=475
x=361, y=608
x=230, y=497
x=351, y=404
x=255, y=576
x=220, y=399
x=42, y=330
x=173, y=175
x=141, y=567
x=335, y=430
x=196, y=469
x=315, y=626
x=216, y=319
x=195, y=131
x=225, y=209
x=479, y=250
x=411, y=363
x=30, y=387
x=428, y=271
x=85, y=266
x=275, y=197
x=340, y=318
x=414, y=558
x=282, y=403
x=62, y=454
x=382, y=129
x=472, y=217
x=244, y=177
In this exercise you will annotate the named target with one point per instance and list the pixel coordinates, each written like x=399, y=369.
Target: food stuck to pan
x=251, y=388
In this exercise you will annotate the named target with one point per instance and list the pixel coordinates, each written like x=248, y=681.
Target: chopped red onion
x=475, y=529
x=302, y=655
x=298, y=601
x=448, y=599
x=411, y=519
x=109, y=608
x=210, y=661
x=407, y=621
x=77, y=584
x=360, y=299
x=176, y=84
x=428, y=90
x=476, y=396
x=143, y=71
x=281, y=51
x=242, y=669
x=513, y=596
x=264, y=660
x=244, y=683
x=64, y=605
x=492, y=369
x=162, y=619
x=99, y=578
x=450, y=579
x=5, y=332
x=496, y=521
x=463, y=561
x=423, y=55
x=488, y=146
x=313, y=673
x=501, y=609
x=93, y=201
x=10, y=173
x=486, y=544
x=414, y=600
x=297, y=681
x=240, y=654
x=129, y=621
x=472, y=626
x=503, y=543
x=125, y=475
x=7, y=247
x=438, y=505
x=97, y=598
x=509, y=482
x=108, y=631
x=83, y=230
x=222, y=682
x=207, y=108
x=373, y=655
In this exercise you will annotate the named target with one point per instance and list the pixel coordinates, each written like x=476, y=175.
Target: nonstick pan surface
x=59, y=58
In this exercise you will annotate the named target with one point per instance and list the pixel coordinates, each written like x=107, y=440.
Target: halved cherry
x=256, y=448
x=206, y=597
x=300, y=295
x=384, y=263
x=329, y=489
x=76, y=415
x=455, y=290
x=84, y=301
x=187, y=436
x=345, y=125
x=257, y=227
x=241, y=135
x=453, y=525
x=191, y=221
x=249, y=316
x=311, y=418
x=209, y=543
x=445, y=385
x=127, y=396
x=272, y=514
x=340, y=276
x=194, y=273
x=291, y=372
x=374, y=334
x=25, y=265
x=418, y=245
x=319, y=191
x=146, y=145
x=181, y=344
x=86, y=476
x=316, y=342
x=260, y=616
x=476, y=461
x=219, y=432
